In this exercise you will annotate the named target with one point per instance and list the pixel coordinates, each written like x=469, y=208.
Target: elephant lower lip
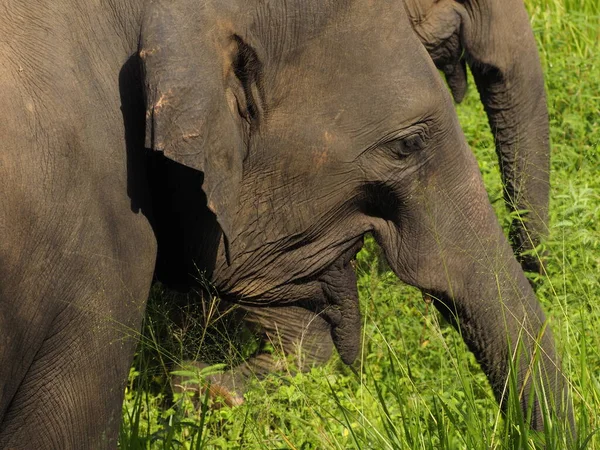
x=331, y=293
x=341, y=307
x=343, y=313
x=347, y=342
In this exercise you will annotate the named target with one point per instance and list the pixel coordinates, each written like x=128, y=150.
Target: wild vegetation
x=415, y=384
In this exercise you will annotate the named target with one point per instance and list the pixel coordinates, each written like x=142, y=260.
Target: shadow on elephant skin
x=169, y=194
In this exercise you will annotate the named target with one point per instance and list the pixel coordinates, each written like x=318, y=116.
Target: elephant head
x=495, y=38
x=315, y=123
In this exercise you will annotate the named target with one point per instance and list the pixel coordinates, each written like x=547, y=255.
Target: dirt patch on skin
x=145, y=52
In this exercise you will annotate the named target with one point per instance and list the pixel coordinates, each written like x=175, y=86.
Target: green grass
x=416, y=386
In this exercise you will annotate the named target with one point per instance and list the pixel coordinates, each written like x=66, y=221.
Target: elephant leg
x=75, y=318
x=71, y=395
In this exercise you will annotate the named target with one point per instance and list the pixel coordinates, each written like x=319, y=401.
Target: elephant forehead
x=346, y=88
x=320, y=126
x=284, y=28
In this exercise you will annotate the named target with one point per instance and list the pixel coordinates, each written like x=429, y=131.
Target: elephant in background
x=252, y=140
x=496, y=39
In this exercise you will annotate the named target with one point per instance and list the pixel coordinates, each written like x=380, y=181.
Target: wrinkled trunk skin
x=496, y=39
x=508, y=73
x=454, y=250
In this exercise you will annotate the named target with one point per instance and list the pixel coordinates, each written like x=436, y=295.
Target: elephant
x=258, y=141
x=502, y=54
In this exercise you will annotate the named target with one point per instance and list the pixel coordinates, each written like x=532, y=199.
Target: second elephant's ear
x=194, y=101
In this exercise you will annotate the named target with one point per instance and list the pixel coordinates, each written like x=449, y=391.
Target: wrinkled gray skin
x=495, y=38
x=293, y=146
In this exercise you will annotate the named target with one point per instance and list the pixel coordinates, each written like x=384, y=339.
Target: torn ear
x=194, y=99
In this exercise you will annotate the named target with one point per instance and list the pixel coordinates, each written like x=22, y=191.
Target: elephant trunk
x=505, y=63
x=495, y=311
x=453, y=248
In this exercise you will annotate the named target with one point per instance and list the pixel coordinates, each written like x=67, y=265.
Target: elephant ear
x=188, y=52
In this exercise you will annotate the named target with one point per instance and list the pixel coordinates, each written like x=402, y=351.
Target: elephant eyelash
x=405, y=144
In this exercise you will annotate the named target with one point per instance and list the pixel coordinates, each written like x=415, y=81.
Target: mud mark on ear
x=162, y=101
x=328, y=137
x=190, y=136
x=320, y=158
x=321, y=155
x=145, y=52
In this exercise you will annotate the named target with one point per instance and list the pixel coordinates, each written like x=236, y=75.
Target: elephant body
x=77, y=267
x=252, y=140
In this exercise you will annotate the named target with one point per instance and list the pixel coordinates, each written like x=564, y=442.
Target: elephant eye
x=407, y=145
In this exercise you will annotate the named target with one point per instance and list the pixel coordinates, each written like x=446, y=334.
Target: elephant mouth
x=331, y=293
x=342, y=311
x=337, y=302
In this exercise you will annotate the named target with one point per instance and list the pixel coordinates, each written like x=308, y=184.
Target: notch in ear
x=198, y=77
